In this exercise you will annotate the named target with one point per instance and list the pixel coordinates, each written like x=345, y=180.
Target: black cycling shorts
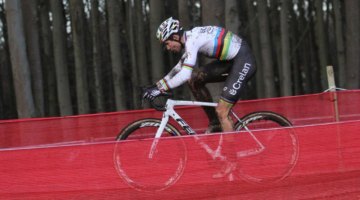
x=236, y=73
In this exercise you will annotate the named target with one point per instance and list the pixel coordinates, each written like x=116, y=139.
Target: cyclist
x=234, y=64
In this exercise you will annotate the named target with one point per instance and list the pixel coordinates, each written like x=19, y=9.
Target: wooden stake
x=332, y=89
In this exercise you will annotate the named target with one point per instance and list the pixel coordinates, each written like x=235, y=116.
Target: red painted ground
x=327, y=167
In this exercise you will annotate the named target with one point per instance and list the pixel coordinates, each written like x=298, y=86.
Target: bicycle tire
x=175, y=165
x=148, y=122
x=263, y=115
x=289, y=148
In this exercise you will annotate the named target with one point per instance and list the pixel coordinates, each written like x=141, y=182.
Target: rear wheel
x=277, y=159
x=132, y=160
x=263, y=120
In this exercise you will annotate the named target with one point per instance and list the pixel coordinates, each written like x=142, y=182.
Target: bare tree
x=60, y=57
x=254, y=40
x=132, y=49
x=78, y=35
x=114, y=12
x=352, y=15
x=305, y=70
x=213, y=12
x=285, y=76
x=265, y=45
x=157, y=55
x=20, y=64
x=232, y=21
x=142, y=64
x=96, y=49
x=184, y=13
x=321, y=42
x=6, y=82
x=31, y=28
x=49, y=78
x=340, y=48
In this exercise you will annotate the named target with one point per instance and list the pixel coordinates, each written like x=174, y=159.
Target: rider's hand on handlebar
x=151, y=92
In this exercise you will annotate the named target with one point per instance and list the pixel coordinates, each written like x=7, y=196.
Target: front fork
x=159, y=131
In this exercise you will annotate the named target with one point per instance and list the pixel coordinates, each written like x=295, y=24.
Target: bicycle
x=247, y=124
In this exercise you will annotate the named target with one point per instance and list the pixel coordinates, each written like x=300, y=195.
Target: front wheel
x=279, y=154
x=144, y=173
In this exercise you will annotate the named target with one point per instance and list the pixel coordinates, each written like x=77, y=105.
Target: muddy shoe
x=213, y=128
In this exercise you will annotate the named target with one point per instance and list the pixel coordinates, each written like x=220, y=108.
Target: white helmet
x=167, y=28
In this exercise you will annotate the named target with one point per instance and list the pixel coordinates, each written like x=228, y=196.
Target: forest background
x=68, y=57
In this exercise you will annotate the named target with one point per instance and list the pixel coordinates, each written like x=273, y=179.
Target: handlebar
x=159, y=102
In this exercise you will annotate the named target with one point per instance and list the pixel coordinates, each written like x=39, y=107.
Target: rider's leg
x=243, y=68
x=210, y=73
x=200, y=92
x=229, y=165
x=222, y=111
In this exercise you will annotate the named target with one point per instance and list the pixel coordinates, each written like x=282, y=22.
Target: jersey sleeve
x=174, y=71
x=177, y=76
x=191, y=53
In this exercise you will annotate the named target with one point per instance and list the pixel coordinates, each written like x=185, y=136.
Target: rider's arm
x=180, y=73
x=162, y=84
x=178, y=79
x=174, y=70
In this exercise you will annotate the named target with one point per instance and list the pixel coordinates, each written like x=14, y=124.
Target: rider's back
x=211, y=41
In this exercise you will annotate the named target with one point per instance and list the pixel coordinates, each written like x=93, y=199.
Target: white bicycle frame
x=170, y=112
